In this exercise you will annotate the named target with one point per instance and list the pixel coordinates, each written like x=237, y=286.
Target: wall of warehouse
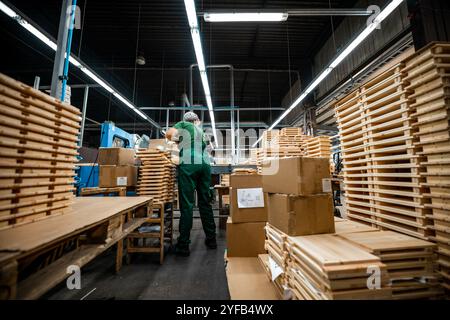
x=396, y=24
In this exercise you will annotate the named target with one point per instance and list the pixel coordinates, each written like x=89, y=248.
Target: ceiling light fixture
x=246, y=16
x=349, y=49
x=74, y=61
x=196, y=39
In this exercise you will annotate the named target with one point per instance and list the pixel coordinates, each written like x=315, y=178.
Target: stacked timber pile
x=253, y=160
x=38, y=149
x=319, y=147
x=268, y=136
x=276, y=248
x=156, y=175
x=290, y=137
x=326, y=267
x=428, y=76
x=382, y=170
x=410, y=262
x=225, y=180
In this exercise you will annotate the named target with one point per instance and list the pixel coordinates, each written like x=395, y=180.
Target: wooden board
x=85, y=212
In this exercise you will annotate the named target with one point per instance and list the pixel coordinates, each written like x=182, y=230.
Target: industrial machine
x=110, y=137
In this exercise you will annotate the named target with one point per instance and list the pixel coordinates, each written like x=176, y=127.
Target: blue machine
x=110, y=137
x=114, y=137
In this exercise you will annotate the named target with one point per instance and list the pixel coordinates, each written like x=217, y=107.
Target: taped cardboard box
x=245, y=239
x=247, y=200
x=252, y=209
x=116, y=157
x=296, y=176
x=300, y=216
x=118, y=176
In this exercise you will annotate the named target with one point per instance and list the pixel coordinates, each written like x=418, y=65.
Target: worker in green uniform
x=194, y=173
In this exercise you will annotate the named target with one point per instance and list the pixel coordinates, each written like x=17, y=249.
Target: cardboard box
x=249, y=212
x=118, y=176
x=245, y=239
x=296, y=176
x=116, y=157
x=300, y=216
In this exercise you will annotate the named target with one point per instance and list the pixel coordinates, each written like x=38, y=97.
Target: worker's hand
x=171, y=133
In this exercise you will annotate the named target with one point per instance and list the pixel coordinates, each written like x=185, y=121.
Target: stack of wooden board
x=326, y=267
x=268, y=135
x=253, y=160
x=410, y=262
x=428, y=76
x=381, y=165
x=291, y=132
x=276, y=248
x=225, y=180
x=156, y=175
x=343, y=226
x=38, y=149
x=319, y=147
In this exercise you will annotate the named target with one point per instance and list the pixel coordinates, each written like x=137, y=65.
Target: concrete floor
x=200, y=276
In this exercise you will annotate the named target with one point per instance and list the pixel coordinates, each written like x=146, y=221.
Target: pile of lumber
x=38, y=150
x=225, y=180
x=319, y=147
x=396, y=148
x=156, y=175
x=276, y=248
x=268, y=136
x=290, y=137
x=253, y=160
x=326, y=267
x=428, y=76
x=381, y=166
x=410, y=262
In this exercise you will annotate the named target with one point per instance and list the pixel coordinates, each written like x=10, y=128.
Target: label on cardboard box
x=326, y=186
x=275, y=269
x=250, y=198
x=122, y=181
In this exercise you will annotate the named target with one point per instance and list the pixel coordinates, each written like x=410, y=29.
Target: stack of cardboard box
x=299, y=197
x=248, y=208
x=117, y=167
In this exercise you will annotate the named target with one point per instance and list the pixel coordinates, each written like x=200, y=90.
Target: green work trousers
x=193, y=177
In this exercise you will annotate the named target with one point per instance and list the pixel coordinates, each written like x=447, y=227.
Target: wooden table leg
x=119, y=255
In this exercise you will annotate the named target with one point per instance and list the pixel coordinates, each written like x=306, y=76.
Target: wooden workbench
x=76, y=238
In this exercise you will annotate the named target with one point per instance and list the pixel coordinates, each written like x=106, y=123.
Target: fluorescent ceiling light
x=52, y=44
x=349, y=49
x=7, y=10
x=196, y=39
x=246, y=17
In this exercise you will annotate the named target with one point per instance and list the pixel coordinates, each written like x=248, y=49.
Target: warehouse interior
x=322, y=129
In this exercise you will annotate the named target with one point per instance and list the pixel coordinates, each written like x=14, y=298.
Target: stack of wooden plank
x=253, y=160
x=381, y=165
x=156, y=175
x=319, y=147
x=410, y=262
x=38, y=149
x=276, y=248
x=326, y=267
x=225, y=180
x=268, y=136
x=428, y=76
x=343, y=226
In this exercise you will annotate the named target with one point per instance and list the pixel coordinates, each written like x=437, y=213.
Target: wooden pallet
x=324, y=267
x=156, y=175
x=410, y=262
x=38, y=150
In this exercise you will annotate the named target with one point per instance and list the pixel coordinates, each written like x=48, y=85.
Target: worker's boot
x=182, y=251
x=211, y=243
